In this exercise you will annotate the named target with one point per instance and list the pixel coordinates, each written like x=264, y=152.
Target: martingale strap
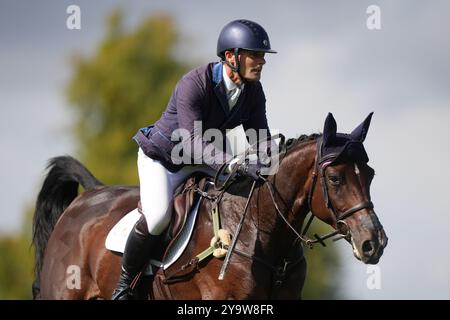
x=216, y=243
x=218, y=248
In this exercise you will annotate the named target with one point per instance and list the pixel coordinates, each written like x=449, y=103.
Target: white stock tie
x=233, y=97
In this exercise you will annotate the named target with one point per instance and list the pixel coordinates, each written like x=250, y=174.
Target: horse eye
x=334, y=179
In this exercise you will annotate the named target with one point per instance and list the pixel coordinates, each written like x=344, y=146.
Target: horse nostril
x=367, y=247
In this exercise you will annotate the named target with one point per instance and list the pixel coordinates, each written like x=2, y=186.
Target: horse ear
x=329, y=129
x=360, y=131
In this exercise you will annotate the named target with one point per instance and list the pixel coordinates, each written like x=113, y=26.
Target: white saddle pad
x=117, y=237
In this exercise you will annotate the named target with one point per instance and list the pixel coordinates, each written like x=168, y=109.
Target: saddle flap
x=182, y=204
x=184, y=199
x=188, y=204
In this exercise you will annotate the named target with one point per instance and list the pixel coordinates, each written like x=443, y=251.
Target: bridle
x=320, y=164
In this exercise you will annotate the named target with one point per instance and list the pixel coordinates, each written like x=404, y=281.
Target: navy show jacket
x=200, y=95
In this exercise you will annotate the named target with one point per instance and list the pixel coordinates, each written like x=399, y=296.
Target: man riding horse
x=220, y=96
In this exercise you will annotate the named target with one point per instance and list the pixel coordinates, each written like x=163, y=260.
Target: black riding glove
x=252, y=170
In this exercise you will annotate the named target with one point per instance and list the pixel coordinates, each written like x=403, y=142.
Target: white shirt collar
x=229, y=84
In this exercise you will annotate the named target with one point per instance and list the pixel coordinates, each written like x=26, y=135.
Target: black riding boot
x=138, y=250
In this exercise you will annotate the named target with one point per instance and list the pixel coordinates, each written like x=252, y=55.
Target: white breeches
x=157, y=187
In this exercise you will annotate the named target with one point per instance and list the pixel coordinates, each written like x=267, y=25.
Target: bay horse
x=326, y=175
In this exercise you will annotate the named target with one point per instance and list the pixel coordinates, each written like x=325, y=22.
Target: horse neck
x=291, y=187
x=294, y=173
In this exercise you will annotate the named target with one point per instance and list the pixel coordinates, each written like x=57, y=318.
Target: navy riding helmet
x=243, y=34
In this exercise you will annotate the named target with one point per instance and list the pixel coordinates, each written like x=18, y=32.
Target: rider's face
x=251, y=63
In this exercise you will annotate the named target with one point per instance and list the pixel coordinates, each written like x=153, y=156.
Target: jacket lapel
x=239, y=103
x=219, y=90
x=219, y=87
x=236, y=109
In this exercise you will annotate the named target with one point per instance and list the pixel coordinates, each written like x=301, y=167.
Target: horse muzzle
x=369, y=241
x=373, y=250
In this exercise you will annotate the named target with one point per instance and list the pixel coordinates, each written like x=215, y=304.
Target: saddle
x=173, y=241
x=184, y=199
x=185, y=205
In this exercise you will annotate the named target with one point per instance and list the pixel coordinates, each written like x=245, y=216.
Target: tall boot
x=137, y=253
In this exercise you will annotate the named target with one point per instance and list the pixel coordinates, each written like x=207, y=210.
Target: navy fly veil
x=345, y=147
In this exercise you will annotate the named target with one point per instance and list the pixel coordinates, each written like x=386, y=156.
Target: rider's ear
x=329, y=129
x=360, y=131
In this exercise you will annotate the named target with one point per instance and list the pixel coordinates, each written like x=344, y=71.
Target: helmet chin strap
x=237, y=67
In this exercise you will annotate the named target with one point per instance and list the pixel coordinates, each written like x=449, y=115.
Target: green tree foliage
x=16, y=268
x=16, y=263
x=322, y=278
x=125, y=85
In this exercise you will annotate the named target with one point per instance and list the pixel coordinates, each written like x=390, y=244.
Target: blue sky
x=328, y=61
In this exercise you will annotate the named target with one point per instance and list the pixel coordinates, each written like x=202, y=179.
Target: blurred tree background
x=123, y=86
x=17, y=262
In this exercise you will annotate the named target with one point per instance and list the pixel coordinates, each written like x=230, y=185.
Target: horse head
x=341, y=195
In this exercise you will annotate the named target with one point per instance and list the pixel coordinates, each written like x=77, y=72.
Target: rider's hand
x=252, y=170
x=231, y=166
